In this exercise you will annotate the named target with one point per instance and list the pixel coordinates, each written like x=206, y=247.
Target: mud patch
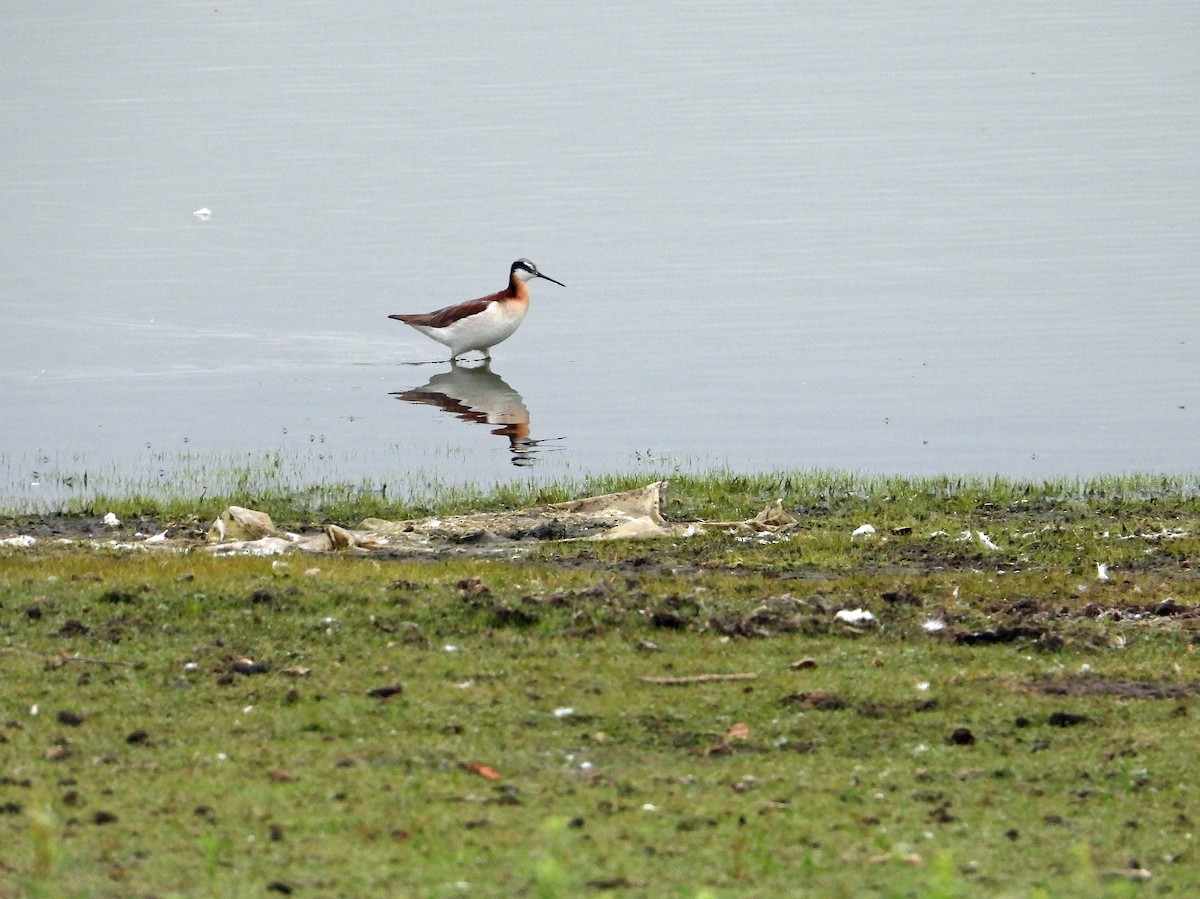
x=1124, y=689
x=995, y=635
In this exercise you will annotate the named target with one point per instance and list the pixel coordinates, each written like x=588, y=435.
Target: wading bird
x=481, y=324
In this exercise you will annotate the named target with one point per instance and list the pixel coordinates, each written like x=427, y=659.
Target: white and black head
x=527, y=271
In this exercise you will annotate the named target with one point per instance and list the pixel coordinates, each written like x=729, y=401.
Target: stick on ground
x=696, y=679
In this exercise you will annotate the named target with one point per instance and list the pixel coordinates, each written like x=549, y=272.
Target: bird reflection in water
x=476, y=393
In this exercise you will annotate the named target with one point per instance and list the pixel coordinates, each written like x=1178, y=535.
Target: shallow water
x=914, y=239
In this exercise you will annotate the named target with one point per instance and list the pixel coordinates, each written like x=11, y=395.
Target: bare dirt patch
x=1123, y=689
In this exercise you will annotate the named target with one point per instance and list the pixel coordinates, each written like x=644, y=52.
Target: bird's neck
x=517, y=288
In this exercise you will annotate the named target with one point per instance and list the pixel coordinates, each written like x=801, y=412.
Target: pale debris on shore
x=629, y=515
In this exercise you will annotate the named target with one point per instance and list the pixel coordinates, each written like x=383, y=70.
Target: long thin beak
x=548, y=278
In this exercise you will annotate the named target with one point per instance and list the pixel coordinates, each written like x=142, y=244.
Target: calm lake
x=906, y=237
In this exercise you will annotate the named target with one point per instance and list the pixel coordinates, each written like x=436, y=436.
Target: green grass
x=713, y=496
x=204, y=484
x=152, y=767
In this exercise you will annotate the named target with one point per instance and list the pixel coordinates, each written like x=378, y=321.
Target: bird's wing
x=443, y=318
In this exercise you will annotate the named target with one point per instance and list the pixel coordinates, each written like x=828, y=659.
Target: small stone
x=386, y=692
x=1067, y=719
x=248, y=667
x=962, y=736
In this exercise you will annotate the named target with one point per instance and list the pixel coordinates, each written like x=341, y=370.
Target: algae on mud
x=1010, y=724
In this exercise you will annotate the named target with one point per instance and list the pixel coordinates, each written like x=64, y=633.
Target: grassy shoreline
x=713, y=495
x=1015, y=716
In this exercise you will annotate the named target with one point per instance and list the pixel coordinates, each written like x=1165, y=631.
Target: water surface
x=916, y=238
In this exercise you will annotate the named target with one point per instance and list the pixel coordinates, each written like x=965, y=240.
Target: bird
x=480, y=324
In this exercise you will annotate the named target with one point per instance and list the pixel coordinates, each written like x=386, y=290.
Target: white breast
x=482, y=330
